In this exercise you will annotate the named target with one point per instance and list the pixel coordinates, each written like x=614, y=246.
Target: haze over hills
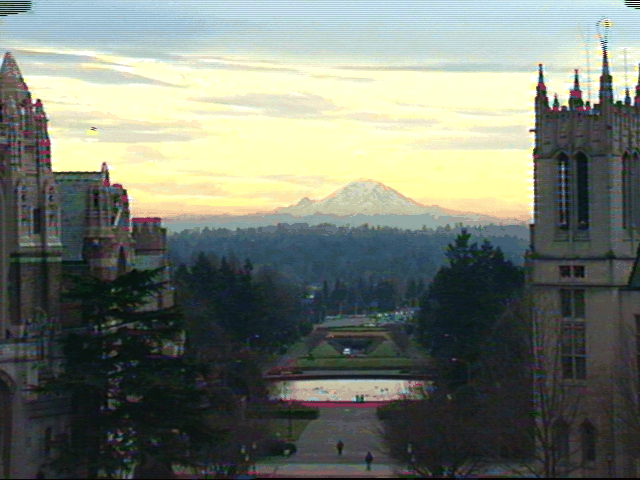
x=358, y=202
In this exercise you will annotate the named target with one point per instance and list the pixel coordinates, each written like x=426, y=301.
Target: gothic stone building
x=50, y=223
x=583, y=273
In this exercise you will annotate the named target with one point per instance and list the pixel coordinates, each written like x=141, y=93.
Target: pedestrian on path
x=368, y=459
x=340, y=446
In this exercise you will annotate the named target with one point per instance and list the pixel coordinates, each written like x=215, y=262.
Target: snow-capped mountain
x=360, y=197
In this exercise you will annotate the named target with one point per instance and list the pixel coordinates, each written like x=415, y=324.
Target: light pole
x=610, y=464
x=290, y=426
x=455, y=339
x=412, y=458
x=249, y=339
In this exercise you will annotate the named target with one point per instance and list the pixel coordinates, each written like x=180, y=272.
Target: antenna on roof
x=586, y=51
x=626, y=80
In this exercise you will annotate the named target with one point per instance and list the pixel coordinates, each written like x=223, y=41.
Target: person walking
x=368, y=459
x=340, y=446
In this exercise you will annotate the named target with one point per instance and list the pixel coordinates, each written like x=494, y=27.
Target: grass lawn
x=355, y=363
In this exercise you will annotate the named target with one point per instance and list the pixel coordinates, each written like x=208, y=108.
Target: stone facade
x=584, y=244
x=50, y=223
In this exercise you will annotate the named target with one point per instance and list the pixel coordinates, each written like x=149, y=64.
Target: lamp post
x=412, y=457
x=455, y=339
x=610, y=464
x=249, y=339
x=290, y=426
x=254, y=447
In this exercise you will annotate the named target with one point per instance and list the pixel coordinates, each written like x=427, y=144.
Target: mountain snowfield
x=360, y=197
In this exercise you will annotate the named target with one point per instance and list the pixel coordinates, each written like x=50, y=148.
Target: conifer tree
x=128, y=399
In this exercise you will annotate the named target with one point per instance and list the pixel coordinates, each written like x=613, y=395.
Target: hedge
x=324, y=350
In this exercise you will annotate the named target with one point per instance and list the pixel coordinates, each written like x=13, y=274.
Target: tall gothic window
x=573, y=334
x=588, y=441
x=635, y=191
x=564, y=191
x=627, y=182
x=582, y=174
x=37, y=221
x=24, y=209
x=52, y=211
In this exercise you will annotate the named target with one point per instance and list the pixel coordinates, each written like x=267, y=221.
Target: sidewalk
x=323, y=470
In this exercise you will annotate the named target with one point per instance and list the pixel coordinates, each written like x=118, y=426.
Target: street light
x=610, y=464
x=249, y=339
x=412, y=457
x=455, y=339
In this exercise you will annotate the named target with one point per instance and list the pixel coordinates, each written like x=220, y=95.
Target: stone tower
x=30, y=248
x=151, y=251
x=584, y=243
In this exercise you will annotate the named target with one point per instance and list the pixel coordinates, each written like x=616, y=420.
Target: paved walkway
x=316, y=448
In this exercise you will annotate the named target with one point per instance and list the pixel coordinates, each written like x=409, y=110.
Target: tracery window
x=564, y=191
x=573, y=335
x=52, y=212
x=582, y=166
x=627, y=182
x=24, y=210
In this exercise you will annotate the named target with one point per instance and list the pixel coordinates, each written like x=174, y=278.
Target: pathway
x=316, y=448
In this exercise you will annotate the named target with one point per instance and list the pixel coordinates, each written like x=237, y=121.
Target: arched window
x=582, y=194
x=564, y=192
x=588, y=441
x=627, y=182
x=560, y=432
x=52, y=211
x=23, y=209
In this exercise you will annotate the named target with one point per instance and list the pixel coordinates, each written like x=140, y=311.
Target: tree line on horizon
x=311, y=257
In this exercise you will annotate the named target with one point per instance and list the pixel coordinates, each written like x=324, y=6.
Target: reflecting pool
x=341, y=390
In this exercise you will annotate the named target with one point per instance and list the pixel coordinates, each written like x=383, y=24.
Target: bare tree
x=439, y=435
x=529, y=401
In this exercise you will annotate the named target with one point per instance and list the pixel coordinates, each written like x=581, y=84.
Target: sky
x=237, y=107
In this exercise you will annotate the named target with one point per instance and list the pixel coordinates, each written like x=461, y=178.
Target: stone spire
x=10, y=73
x=606, y=82
x=542, y=101
x=575, y=95
x=556, y=103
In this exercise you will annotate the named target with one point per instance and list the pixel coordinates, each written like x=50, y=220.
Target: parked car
x=346, y=351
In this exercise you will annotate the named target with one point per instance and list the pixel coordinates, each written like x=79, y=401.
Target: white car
x=346, y=351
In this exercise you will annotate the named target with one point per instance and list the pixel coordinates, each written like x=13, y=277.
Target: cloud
x=304, y=180
x=388, y=122
x=478, y=138
x=94, y=75
x=290, y=105
x=113, y=129
x=346, y=79
x=142, y=153
x=474, y=67
x=203, y=189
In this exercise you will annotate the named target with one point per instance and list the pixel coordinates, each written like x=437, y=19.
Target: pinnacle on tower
x=575, y=96
x=637, y=101
x=556, y=103
x=606, y=87
x=541, y=90
x=627, y=97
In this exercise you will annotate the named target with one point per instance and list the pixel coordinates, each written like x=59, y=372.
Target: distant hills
x=359, y=202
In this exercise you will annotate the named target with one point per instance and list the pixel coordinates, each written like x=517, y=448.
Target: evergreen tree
x=466, y=298
x=129, y=400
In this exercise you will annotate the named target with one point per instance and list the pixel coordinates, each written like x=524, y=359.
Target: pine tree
x=128, y=399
